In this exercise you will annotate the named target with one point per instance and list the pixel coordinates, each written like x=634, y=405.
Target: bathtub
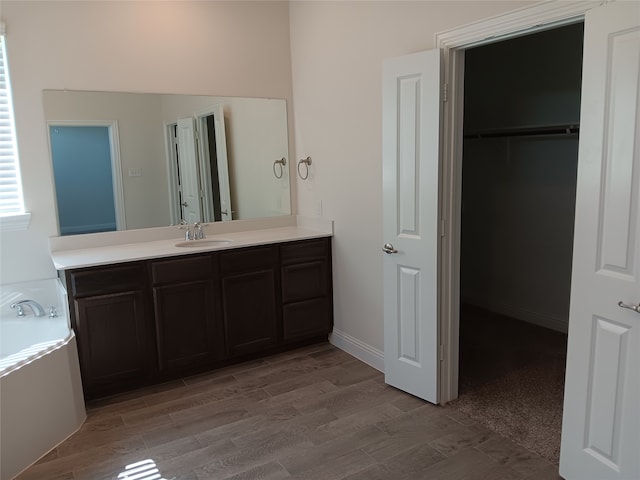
x=41, y=400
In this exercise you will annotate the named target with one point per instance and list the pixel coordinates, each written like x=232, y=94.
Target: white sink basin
x=206, y=242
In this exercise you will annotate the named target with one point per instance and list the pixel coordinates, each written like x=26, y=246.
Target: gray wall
x=519, y=191
x=517, y=226
x=528, y=81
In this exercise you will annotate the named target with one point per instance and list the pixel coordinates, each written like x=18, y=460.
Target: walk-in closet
x=520, y=157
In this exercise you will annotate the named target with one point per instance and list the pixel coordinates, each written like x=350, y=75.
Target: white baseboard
x=375, y=357
x=362, y=351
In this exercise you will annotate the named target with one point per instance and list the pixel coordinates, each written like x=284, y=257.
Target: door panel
x=601, y=420
x=411, y=121
x=188, y=163
x=223, y=164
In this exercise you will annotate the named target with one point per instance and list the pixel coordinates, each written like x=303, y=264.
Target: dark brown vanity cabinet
x=306, y=289
x=186, y=302
x=110, y=318
x=249, y=296
x=147, y=321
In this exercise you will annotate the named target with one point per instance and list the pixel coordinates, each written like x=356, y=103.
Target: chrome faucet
x=188, y=234
x=36, y=308
x=198, y=231
x=192, y=232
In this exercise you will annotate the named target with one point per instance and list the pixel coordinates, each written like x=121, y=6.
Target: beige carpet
x=512, y=379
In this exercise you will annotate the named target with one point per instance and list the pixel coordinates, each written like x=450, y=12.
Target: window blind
x=10, y=186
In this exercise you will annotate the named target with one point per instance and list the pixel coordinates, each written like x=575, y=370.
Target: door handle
x=184, y=204
x=388, y=248
x=635, y=308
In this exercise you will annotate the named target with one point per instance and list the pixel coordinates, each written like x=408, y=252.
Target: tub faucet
x=36, y=308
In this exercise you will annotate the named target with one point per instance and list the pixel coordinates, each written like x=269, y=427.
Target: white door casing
x=411, y=126
x=188, y=162
x=204, y=167
x=601, y=419
x=171, y=149
x=454, y=43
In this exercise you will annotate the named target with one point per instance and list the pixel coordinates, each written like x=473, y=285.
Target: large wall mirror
x=130, y=160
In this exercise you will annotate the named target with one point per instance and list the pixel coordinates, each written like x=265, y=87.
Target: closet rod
x=524, y=132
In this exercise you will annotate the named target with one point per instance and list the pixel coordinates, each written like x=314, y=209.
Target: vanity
x=148, y=307
x=148, y=303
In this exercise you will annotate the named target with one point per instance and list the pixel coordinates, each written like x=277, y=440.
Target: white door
x=601, y=419
x=223, y=163
x=188, y=164
x=411, y=135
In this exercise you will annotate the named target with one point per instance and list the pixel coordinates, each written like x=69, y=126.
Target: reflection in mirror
x=127, y=160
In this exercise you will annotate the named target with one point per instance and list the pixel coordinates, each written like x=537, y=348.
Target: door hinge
x=443, y=226
x=445, y=92
x=441, y=352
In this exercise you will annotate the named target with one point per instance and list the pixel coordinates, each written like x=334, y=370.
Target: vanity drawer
x=304, y=251
x=247, y=260
x=305, y=280
x=183, y=269
x=105, y=280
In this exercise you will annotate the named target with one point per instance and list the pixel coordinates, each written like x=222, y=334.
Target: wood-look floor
x=314, y=413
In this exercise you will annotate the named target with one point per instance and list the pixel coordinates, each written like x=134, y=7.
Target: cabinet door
x=113, y=341
x=250, y=315
x=249, y=299
x=186, y=325
x=187, y=312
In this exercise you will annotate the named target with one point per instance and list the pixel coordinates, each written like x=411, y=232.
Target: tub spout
x=36, y=308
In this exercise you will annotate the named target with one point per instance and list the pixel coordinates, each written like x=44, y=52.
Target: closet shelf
x=524, y=131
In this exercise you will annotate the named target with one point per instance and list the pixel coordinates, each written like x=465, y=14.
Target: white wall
x=206, y=48
x=256, y=135
x=236, y=49
x=337, y=50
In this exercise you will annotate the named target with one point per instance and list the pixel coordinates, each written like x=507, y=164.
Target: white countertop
x=96, y=253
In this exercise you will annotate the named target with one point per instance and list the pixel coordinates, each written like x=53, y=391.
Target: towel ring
x=281, y=163
x=307, y=162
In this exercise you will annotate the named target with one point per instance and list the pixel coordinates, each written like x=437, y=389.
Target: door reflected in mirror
x=172, y=157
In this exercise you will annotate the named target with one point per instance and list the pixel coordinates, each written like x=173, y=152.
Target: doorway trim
x=170, y=144
x=224, y=188
x=453, y=44
x=116, y=163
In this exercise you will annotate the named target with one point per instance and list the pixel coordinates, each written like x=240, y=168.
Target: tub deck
x=41, y=398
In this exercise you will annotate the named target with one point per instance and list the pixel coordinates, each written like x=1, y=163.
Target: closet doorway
x=520, y=155
x=87, y=175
